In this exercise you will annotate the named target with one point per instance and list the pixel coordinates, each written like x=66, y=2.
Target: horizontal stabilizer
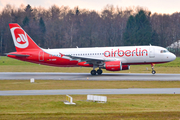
x=18, y=55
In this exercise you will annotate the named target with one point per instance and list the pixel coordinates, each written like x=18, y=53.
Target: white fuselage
x=127, y=55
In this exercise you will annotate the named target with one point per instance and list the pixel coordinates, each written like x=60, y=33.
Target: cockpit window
x=164, y=51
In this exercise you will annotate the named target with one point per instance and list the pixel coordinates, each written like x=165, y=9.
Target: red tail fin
x=21, y=39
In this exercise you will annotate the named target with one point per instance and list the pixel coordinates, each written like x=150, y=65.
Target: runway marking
x=84, y=76
x=92, y=91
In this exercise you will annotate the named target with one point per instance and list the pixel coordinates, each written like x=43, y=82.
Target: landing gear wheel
x=93, y=72
x=99, y=71
x=153, y=72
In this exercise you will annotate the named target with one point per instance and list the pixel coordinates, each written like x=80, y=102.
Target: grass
x=13, y=65
x=96, y=116
x=175, y=63
x=63, y=84
x=118, y=107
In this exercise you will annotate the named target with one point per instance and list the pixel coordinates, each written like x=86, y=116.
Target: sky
x=158, y=6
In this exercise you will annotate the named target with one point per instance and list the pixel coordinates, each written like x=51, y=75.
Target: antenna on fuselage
x=150, y=44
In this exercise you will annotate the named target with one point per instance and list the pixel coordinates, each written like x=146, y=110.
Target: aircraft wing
x=87, y=59
x=92, y=60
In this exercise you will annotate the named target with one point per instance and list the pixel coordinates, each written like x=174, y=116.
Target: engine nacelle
x=115, y=66
x=125, y=67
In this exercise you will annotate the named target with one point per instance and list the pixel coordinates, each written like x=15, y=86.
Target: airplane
x=110, y=58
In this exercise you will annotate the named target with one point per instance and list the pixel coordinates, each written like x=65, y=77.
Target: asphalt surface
x=87, y=76
x=91, y=91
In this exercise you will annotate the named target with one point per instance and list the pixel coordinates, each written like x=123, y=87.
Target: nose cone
x=172, y=57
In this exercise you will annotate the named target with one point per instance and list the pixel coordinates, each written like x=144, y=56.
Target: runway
x=92, y=91
x=87, y=76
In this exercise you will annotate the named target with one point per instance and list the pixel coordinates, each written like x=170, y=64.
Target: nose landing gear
x=153, y=71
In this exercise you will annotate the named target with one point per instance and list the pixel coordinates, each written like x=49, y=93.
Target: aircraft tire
x=99, y=71
x=93, y=72
x=153, y=72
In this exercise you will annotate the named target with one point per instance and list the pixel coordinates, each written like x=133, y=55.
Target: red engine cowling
x=113, y=65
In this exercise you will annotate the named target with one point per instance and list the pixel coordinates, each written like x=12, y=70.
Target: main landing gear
x=99, y=72
x=153, y=71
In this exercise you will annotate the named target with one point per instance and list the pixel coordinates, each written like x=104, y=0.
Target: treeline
x=62, y=27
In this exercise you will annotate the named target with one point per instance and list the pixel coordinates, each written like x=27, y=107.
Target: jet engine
x=115, y=66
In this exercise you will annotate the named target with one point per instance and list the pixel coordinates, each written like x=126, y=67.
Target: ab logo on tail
x=19, y=37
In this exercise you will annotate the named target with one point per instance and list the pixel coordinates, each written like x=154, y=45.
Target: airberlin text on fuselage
x=128, y=53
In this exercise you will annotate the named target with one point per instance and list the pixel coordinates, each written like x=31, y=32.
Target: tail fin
x=21, y=39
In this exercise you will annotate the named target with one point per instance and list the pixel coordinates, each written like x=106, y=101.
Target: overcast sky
x=159, y=6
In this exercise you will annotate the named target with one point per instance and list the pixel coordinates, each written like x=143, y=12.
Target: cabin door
x=41, y=56
x=151, y=52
